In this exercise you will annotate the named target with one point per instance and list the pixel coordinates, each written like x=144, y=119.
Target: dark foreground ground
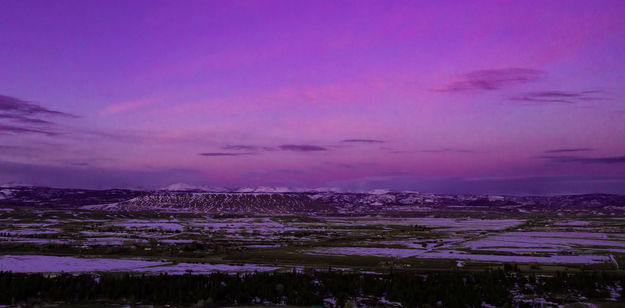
x=501, y=288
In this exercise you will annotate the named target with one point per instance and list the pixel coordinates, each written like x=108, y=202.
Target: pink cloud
x=125, y=106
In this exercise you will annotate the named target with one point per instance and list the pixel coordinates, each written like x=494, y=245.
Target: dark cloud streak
x=585, y=160
x=447, y=150
x=9, y=129
x=569, y=150
x=23, y=119
x=492, y=79
x=12, y=105
x=363, y=141
x=254, y=150
x=301, y=148
x=557, y=96
x=26, y=118
x=239, y=147
x=216, y=154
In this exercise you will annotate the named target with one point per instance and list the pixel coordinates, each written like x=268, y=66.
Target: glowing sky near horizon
x=422, y=95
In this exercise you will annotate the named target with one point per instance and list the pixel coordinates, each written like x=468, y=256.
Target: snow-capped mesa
x=5, y=193
x=323, y=190
x=379, y=191
x=15, y=184
x=264, y=189
x=274, y=189
x=284, y=189
x=180, y=187
x=188, y=187
x=245, y=190
x=226, y=203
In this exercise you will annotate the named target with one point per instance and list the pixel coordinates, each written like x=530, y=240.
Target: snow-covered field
x=52, y=264
x=491, y=243
x=467, y=239
x=556, y=240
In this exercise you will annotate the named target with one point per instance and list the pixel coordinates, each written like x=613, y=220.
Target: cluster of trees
x=459, y=289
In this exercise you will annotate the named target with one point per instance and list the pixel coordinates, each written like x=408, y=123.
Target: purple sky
x=442, y=96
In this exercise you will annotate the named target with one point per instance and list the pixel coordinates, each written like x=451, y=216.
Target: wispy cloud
x=342, y=165
x=10, y=129
x=212, y=154
x=301, y=148
x=585, y=160
x=239, y=147
x=125, y=106
x=78, y=164
x=363, y=141
x=21, y=117
x=569, y=150
x=557, y=96
x=492, y=79
x=243, y=149
x=447, y=150
x=24, y=119
x=14, y=106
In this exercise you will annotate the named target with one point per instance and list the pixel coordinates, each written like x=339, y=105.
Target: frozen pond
x=554, y=240
x=54, y=264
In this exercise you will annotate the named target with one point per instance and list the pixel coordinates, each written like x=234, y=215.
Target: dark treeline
x=460, y=289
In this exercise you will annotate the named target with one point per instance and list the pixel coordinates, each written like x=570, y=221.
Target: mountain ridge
x=297, y=202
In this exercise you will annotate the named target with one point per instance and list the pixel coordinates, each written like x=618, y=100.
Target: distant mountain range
x=188, y=198
x=182, y=187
